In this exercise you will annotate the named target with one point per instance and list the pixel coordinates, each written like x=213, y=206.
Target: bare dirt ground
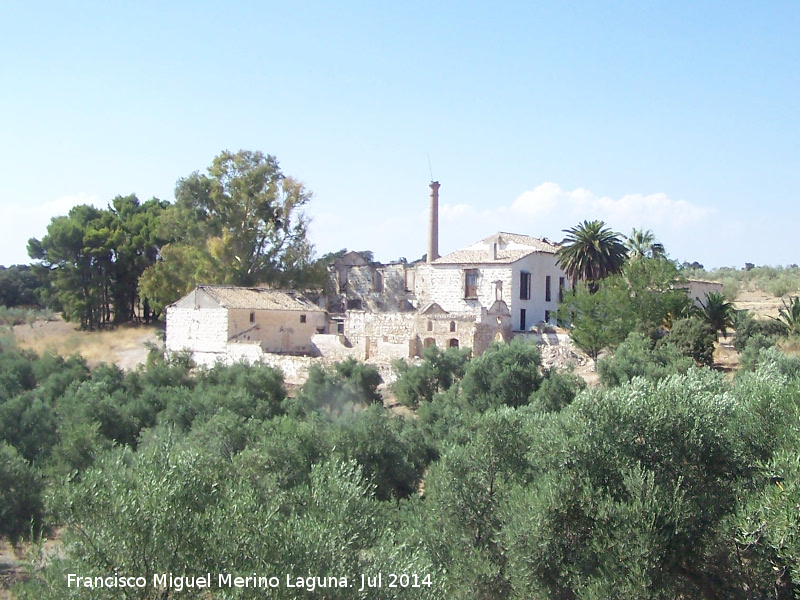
x=15, y=560
x=761, y=304
x=126, y=346
x=10, y=568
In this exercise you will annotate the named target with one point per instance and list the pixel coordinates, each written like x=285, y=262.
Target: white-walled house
x=516, y=269
x=698, y=290
x=217, y=322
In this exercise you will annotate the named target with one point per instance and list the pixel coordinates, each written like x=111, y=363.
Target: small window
x=252, y=317
x=428, y=342
x=430, y=325
x=377, y=282
x=547, y=316
x=454, y=343
x=547, y=297
x=522, y=323
x=561, y=284
x=471, y=283
x=302, y=318
x=340, y=327
x=452, y=326
x=524, y=285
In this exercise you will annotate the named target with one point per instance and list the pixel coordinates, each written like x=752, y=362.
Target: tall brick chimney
x=433, y=223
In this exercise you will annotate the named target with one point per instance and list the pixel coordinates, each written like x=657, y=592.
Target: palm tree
x=591, y=252
x=789, y=315
x=643, y=244
x=717, y=312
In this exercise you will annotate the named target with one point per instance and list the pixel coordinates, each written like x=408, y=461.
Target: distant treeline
x=21, y=285
x=777, y=281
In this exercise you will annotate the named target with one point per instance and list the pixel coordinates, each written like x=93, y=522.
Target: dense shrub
x=79, y=446
x=16, y=371
x=636, y=357
x=693, y=338
x=391, y=452
x=748, y=361
x=635, y=482
x=28, y=424
x=757, y=355
x=286, y=449
x=365, y=378
x=669, y=482
x=558, y=389
x=338, y=390
x=747, y=326
x=506, y=374
x=261, y=382
x=21, y=498
x=437, y=372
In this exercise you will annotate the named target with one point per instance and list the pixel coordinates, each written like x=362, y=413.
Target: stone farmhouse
x=217, y=322
x=504, y=285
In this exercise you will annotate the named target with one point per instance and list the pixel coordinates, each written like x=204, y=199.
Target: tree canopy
x=590, y=252
x=642, y=243
x=96, y=256
x=241, y=223
x=645, y=296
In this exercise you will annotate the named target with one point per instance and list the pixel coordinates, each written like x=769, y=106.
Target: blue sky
x=678, y=117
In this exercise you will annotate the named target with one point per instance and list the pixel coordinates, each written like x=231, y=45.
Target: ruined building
x=504, y=284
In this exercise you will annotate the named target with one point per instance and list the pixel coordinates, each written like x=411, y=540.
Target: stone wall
x=295, y=368
x=389, y=335
x=488, y=333
x=374, y=288
x=196, y=329
x=444, y=284
x=279, y=331
x=335, y=347
x=446, y=330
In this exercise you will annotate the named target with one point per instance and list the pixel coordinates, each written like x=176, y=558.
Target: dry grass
x=761, y=304
x=790, y=345
x=126, y=346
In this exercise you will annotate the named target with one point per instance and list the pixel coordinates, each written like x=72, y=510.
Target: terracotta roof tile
x=258, y=298
x=512, y=247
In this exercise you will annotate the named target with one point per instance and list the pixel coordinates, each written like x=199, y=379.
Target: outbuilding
x=219, y=322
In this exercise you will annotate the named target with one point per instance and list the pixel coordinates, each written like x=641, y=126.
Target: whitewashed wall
x=203, y=330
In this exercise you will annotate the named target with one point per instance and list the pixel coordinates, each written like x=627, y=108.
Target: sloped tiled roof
x=258, y=298
x=541, y=244
x=511, y=248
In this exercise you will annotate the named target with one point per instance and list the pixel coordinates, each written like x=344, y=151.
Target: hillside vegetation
x=510, y=482
x=775, y=281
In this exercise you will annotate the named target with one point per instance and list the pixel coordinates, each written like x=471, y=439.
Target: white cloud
x=548, y=209
x=652, y=211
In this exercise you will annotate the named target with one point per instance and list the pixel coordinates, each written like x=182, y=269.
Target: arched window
x=452, y=325
x=454, y=343
x=428, y=342
x=430, y=325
